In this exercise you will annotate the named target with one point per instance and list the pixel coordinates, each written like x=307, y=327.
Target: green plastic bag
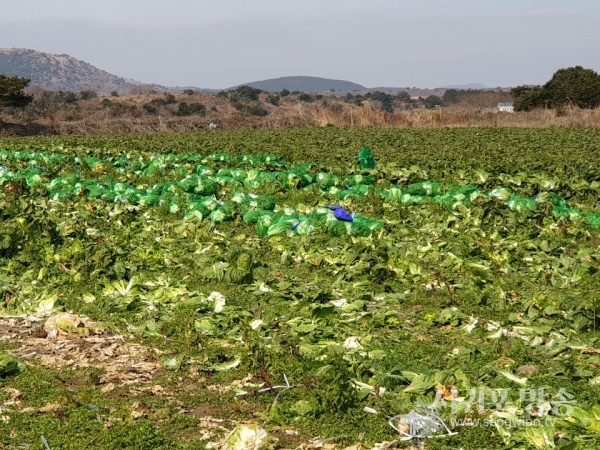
x=326, y=180
x=304, y=228
x=193, y=214
x=359, y=190
x=408, y=199
x=501, y=194
x=205, y=171
x=564, y=212
x=281, y=227
x=253, y=216
x=239, y=174
x=283, y=223
x=594, y=219
x=336, y=228
x=353, y=180
x=222, y=214
x=426, y=188
x=239, y=197
x=457, y=195
x=558, y=201
x=393, y=194
x=319, y=217
x=365, y=158
x=363, y=226
x=205, y=205
x=265, y=202
x=263, y=224
x=220, y=157
x=521, y=204
x=205, y=186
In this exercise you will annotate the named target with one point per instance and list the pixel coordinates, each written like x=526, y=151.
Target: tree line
x=573, y=86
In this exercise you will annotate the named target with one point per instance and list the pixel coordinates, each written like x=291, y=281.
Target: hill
x=466, y=86
x=304, y=84
x=60, y=72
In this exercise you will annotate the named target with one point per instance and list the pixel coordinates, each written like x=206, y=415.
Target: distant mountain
x=65, y=73
x=388, y=89
x=61, y=72
x=465, y=86
x=304, y=84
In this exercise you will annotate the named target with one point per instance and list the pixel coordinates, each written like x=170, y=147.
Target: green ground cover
x=467, y=280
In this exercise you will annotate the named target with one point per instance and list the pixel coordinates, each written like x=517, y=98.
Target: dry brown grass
x=127, y=115
x=458, y=117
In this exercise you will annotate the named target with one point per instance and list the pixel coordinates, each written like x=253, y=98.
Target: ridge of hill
x=60, y=72
x=54, y=72
x=466, y=86
x=304, y=84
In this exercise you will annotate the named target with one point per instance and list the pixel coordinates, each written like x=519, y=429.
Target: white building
x=506, y=107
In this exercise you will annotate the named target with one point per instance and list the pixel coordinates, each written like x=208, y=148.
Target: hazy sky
x=221, y=43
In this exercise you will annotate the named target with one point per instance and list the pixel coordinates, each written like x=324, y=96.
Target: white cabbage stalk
x=341, y=303
x=471, y=325
x=352, y=342
x=506, y=374
x=246, y=437
x=218, y=299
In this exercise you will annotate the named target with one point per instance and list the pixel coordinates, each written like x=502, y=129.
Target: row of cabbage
x=195, y=195
x=465, y=195
x=143, y=167
x=196, y=192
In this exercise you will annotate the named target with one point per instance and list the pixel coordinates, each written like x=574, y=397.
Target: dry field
x=127, y=114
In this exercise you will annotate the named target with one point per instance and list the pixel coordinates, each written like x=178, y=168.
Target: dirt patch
x=288, y=438
x=12, y=328
x=123, y=362
x=206, y=410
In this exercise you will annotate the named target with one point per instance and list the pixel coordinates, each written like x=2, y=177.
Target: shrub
x=247, y=93
x=304, y=97
x=192, y=109
x=433, y=101
x=529, y=98
x=170, y=99
x=387, y=102
x=572, y=86
x=70, y=97
x=150, y=108
x=403, y=96
x=257, y=111
x=11, y=91
x=88, y=95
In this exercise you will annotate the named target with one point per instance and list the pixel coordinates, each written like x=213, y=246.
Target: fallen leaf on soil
x=49, y=407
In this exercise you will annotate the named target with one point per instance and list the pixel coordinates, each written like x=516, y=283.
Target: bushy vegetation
x=573, y=86
x=381, y=100
x=191, y=109
x=433, y=101
x=11, y=91
x=246, y=99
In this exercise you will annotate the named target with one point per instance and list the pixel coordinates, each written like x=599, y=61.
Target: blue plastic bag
x=341, y=214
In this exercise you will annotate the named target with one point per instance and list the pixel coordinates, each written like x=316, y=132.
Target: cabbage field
x=319, y=288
